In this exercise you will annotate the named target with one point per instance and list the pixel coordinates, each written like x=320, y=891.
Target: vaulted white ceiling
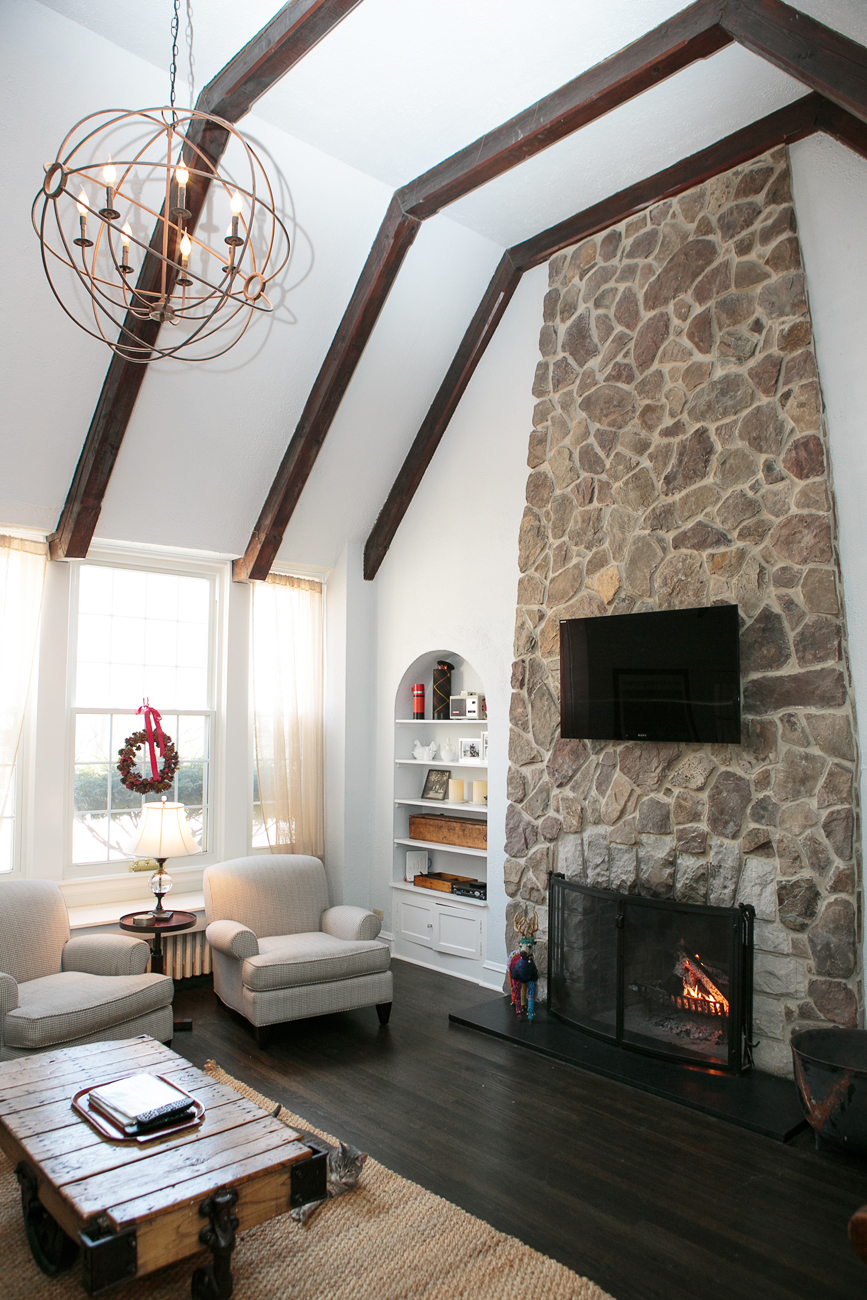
x=398, y=86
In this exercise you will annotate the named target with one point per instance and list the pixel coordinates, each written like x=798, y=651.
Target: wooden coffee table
x=128, y=1209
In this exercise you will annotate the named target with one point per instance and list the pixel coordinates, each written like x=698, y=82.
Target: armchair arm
x=347, y=922
x=8, y=998
x=106, y=954
x=232, y=939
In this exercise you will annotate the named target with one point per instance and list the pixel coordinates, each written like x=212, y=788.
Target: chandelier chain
x=173, y=68
x=191, y=75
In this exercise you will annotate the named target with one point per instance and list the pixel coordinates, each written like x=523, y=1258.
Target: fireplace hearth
x=671, y=980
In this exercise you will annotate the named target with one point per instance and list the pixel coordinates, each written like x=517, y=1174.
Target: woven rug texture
x=387, y=1240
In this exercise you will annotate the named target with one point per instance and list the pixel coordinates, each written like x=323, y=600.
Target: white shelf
x=444, y=803
x=424, y=762
x=439, y=894
x=439, y=722
x=445, y=848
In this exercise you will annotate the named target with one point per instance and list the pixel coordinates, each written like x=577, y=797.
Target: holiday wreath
x=161, y=778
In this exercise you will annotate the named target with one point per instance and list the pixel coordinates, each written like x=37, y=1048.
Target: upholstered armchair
x=281, y=953
x=60, y=992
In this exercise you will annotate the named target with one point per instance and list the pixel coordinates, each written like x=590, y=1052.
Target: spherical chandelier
x=120, y=244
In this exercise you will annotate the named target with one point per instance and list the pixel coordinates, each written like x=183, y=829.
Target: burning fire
x=699, y=991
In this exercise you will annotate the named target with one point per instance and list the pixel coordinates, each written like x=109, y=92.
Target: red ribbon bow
x=152, y=724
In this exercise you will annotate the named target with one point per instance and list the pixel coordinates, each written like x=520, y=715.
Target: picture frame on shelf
x=484, y=739
x=470, y=749
x=436, y=785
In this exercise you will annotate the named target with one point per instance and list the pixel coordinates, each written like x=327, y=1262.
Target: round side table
x=156, y=927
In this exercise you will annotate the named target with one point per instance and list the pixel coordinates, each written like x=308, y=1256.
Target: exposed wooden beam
x=821, y=58
x=842, y=126
x=290, y=35
x=499, y=293
x=794, y=122
x=785, y=126
x=384, y=261
x=694, y=33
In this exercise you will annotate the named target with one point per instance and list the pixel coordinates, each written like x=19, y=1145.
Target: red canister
x=418, y=702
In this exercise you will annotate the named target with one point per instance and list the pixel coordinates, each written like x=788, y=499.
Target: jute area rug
x=387, y=1240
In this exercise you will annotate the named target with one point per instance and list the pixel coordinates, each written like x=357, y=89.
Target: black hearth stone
x=756, y=1101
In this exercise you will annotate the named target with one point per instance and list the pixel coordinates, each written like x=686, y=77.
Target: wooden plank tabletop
x=156, y=1187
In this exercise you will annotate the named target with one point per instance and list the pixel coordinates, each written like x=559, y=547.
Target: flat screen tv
x=669, y=675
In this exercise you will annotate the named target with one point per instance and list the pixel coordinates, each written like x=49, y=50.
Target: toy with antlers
x=522, y=968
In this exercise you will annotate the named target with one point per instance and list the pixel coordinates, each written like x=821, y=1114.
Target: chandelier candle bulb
x=186, y=249
x=82, y=205
x=233, y=239
x=109, y=175
x=125, y=237
x=182, y=176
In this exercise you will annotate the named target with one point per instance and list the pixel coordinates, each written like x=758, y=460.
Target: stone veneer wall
x=679, y=459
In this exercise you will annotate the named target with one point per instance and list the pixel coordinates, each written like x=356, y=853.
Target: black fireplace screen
x=671, y=979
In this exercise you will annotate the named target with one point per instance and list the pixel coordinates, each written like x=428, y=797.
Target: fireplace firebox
x=673, y=980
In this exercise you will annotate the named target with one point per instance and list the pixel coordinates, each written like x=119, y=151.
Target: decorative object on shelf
x=418, y=702
x=470, y=749
x=484, y=740
x=522, y=967
x=448, y=751
x=163, y=832
x=446, y=828
x=480, y=792
x=436, y=783
x=469, y=704
x=161, y=778
x=125, y=168
x=442, y=688
x=456, y=791
x=424, y=753
x=417, y=864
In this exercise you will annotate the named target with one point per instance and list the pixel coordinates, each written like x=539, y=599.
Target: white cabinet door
x=457, y=932
x=415, y=920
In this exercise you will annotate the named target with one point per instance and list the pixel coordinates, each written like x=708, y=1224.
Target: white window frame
x=157, y=562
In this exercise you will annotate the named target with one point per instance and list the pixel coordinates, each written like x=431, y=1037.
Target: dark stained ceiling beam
x=806, y=49
x=785, y=126
x=490, y=312
x=291, y=34
x=392, y=243
x=820, y=57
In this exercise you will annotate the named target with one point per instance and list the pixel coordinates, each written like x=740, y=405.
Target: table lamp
x=163, y=832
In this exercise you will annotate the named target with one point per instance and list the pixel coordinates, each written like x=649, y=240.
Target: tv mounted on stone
x=668, y=675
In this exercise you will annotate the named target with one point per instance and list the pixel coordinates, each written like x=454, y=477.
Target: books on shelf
x=141, y=1103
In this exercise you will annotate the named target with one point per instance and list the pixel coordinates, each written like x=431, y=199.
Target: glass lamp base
x=161, y=884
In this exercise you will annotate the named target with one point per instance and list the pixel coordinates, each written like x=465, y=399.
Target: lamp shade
x=163, y=832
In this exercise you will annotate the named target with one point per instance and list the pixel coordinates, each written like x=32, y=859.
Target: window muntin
x=139, y=633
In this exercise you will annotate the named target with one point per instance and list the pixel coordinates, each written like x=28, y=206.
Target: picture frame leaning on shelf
x=436, y=785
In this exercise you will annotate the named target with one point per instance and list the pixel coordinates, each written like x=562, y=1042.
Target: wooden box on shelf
x=440, y=880
x=464, y=832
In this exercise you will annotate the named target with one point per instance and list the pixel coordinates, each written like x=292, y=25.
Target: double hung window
x=139, y=634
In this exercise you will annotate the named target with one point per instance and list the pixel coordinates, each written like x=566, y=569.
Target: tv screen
x=670, y=675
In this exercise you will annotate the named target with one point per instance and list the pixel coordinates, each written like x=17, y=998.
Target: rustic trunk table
x=128, y=1209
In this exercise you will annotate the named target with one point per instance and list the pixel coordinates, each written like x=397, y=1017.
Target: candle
x=456, y=792
x=480, y=791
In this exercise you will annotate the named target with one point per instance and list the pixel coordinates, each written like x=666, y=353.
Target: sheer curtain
x=287, y=711
x=22, y=577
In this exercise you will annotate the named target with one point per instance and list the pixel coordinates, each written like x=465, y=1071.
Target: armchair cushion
x=106, y=954
x=233, y=939
x=347, y=922
x=289, y=960
x=34, y=927
x=285, y=893
x=58, y=1008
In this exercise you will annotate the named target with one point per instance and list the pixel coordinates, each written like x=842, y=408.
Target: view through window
x=140, y=634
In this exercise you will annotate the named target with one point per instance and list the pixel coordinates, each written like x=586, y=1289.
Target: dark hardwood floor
x=650, y=1200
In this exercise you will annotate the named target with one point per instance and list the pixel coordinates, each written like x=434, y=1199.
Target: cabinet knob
x=430, y=925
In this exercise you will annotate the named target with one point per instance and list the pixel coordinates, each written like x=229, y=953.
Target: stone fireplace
x=679, y=458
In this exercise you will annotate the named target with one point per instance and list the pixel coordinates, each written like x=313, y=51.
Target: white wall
x=830, y=187
x=450, y=577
